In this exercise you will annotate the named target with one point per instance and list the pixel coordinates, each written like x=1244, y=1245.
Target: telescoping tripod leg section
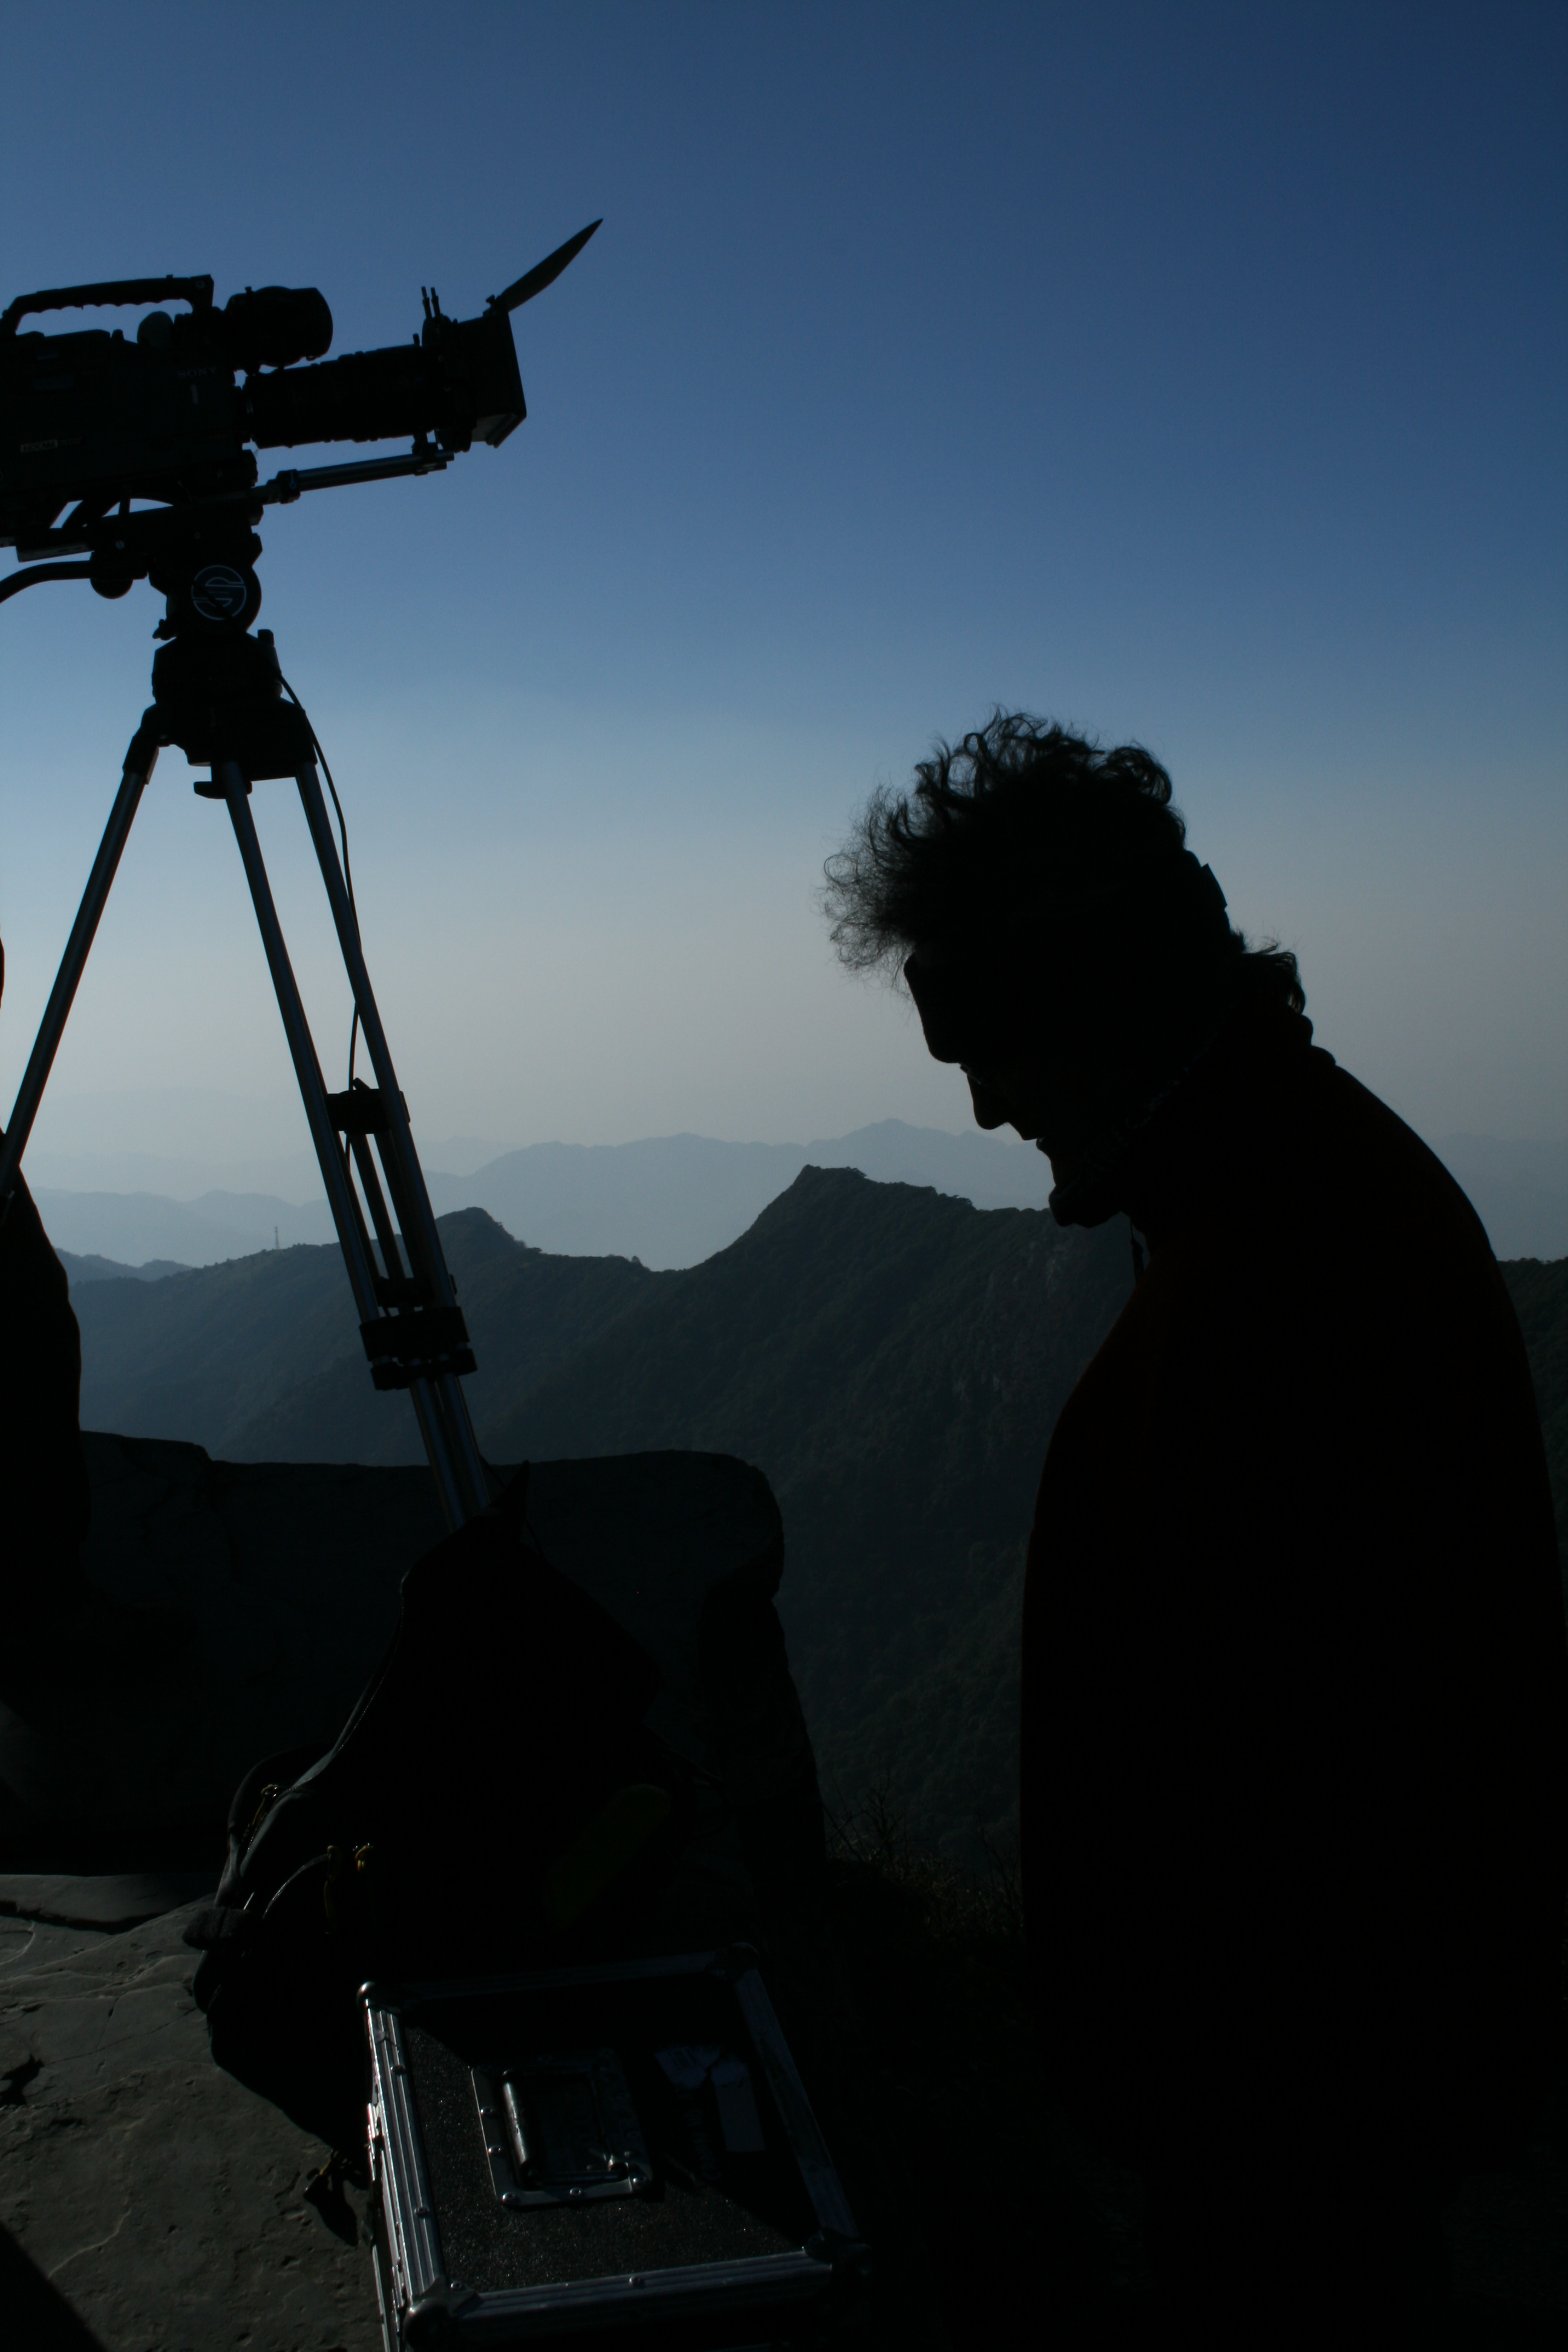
x=411, y=1326
x=140, y=762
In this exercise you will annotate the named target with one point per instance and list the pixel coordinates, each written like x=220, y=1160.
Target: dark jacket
x=1296, y=1682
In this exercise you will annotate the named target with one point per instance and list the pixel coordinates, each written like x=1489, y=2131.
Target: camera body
x=91, y=420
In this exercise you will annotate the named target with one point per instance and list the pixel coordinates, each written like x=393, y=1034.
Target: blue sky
x=1192, y=373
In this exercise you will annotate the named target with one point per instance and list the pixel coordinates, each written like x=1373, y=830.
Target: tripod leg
x=404, y=1175
x=455, y=1500
x=140, y=762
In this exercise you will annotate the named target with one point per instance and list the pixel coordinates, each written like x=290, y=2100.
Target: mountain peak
x=476, y=1235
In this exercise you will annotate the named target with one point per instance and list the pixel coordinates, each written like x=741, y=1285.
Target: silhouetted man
x=1295, y=1732
x=43, y=1469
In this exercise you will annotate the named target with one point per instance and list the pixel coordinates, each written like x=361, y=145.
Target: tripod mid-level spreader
x=218, y=695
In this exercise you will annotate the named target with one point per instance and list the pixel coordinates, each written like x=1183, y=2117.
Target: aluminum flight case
x=621, y=2152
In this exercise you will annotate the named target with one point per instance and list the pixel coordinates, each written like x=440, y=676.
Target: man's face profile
x=1017, y=1076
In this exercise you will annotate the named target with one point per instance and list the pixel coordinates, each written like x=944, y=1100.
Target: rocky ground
x=146, y=2198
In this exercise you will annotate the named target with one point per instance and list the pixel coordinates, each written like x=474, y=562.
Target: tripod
x=217, y=693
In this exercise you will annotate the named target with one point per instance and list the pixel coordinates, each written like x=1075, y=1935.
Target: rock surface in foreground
x=163, y=2201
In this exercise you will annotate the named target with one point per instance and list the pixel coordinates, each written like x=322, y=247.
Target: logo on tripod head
x=219, y=593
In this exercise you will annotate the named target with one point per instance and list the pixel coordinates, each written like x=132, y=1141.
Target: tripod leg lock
x=420, y=1344
x=361, y=1111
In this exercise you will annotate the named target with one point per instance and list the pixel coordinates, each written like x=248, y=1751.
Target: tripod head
x=218, y=690
x=218, y=694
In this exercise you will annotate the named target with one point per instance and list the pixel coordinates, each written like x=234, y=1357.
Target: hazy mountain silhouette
x=671, y=1201
x=674, y=1200
x=134, y=1228
x=108, y=1269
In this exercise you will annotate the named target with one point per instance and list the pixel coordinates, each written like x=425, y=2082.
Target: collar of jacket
x=1153, y=1161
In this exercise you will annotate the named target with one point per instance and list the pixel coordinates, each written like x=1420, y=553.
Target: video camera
x=92, y=422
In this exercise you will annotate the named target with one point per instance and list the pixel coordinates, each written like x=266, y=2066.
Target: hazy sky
x=1191, y=373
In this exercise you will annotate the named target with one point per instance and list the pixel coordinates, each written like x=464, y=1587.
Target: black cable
x=29, y=576
x=343, y=837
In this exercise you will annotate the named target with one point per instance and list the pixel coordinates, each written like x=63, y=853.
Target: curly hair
x=1059, y=869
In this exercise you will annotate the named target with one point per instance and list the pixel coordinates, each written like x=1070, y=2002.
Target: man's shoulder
x=1337, y=1244
x=1355, y=1175
x=1326, y=1221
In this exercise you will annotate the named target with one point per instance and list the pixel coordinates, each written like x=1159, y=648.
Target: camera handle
x=219, y=699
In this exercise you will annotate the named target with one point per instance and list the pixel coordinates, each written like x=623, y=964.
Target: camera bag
x=493, y=1798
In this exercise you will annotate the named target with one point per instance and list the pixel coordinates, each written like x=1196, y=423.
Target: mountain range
x=893, y=1358
x=670, y=1201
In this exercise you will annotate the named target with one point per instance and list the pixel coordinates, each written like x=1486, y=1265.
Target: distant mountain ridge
x=670, y=1199
x=130, y=1229
x=673, y=1200
x=107, y=1269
